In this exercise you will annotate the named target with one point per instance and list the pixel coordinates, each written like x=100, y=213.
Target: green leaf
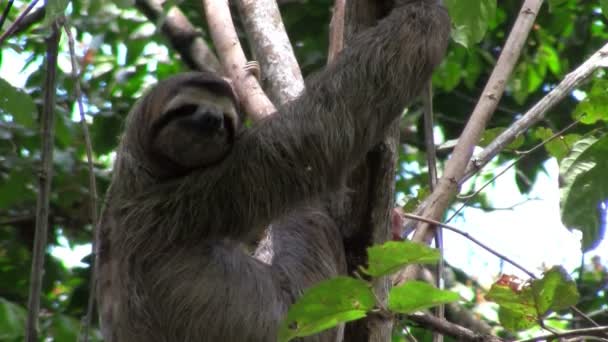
x=555, y=291
x=12, y=320
x=490, y=134
x=54, y=9
x=17, y=190
x=517, y=317
x=558, y=147
x=517, y=307
x=521, y=306
x=326, y=305
x=548, y=56
x=470, y=18
x=18, y=104
x=418, y=295
x=604, y=7
x=64, y=328
x=556, y=3
x=393, y=255
x=585, y=188
x=594, y=107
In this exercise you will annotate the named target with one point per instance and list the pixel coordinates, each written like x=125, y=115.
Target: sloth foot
x=253, y=67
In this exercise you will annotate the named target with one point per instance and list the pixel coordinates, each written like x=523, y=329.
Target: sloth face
x=196, y=128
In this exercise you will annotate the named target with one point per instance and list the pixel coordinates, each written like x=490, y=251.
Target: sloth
x=193, y=188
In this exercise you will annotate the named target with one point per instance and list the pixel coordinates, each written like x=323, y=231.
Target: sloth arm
x=306, y=150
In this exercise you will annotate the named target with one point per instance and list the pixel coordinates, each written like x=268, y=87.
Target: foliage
x=121, y=53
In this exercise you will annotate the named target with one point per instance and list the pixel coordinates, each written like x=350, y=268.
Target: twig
x=431, y=161
x=597, y=331
x=472, y=239
x=36, y=16
x=7, y=9
x=336, y=30
x=44, y=188
x=92, y=184
x=182, y=35
x=456, y=165
x=11, y=28
x=429, y=136
x=456, y=331
x=272, y=49
x=539, y=110
x=541, y=144
x=228, y=47
x=503, y=257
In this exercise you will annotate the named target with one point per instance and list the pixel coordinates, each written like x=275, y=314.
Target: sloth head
x=185, y=122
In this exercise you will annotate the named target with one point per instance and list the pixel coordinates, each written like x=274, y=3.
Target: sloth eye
x=175, y=113
x=184, y=110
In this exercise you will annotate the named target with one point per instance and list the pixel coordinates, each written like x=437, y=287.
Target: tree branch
x=228, y=46
x=456, y=165
x=272, y=49
x=11, y=29
x=456, y=331
x=539, y=110
x=182, y=35
x=92, y=184
x=44, y=184
x=597, y=331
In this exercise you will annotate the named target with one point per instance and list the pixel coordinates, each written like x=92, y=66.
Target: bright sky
x=530, y=233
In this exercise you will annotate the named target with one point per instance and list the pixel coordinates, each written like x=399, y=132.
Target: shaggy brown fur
x=172, y=262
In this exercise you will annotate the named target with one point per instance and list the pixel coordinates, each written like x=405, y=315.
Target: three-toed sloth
x=192, y=186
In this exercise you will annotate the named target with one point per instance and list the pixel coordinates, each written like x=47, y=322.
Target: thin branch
x=400, y=276
x=5, y=13
x=92, y=184
x=431, y=161
x=44, y=184
x=597, y=331
x=539, y=110
x=447, y=328
x=272, y=49
x=228, y=46
x=472, y=239
x=517, y=160
x=336, y=30
x=36, y=16
x=10, y=29
x=456, y=165
x=429, y=136
x=182, y=35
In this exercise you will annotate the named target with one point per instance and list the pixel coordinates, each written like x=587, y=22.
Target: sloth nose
x=207, y=119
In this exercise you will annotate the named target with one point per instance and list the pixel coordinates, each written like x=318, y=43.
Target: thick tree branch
x=182, y=35
x=539, y=110
x=228, y=46
x=272, y=49
x=456, y=165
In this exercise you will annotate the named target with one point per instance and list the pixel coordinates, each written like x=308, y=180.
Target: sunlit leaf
x=12, y=320
x=326, y=305
x=18, y=104
x=584, y=188
x=470, y=19
x=418, y=295
x=393, y=255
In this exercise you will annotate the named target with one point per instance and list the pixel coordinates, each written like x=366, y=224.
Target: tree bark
x=367, y=212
